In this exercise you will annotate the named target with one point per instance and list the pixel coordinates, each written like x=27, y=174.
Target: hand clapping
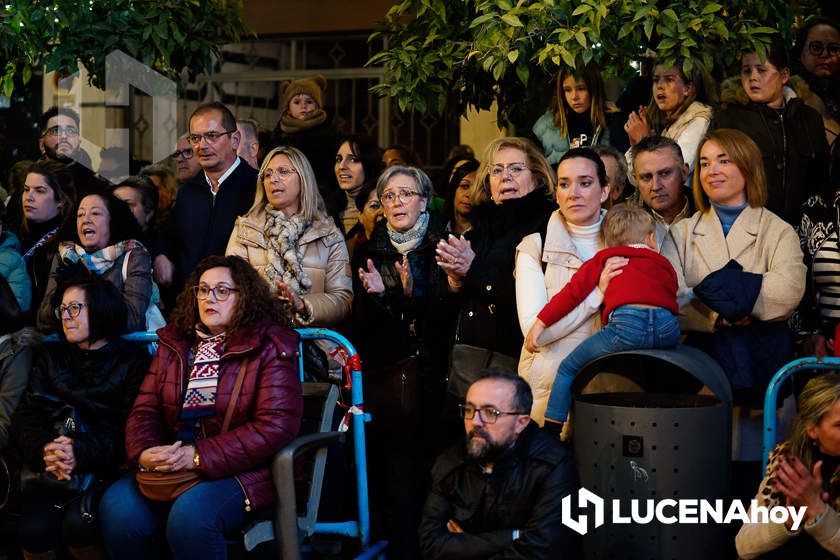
x=371, y=279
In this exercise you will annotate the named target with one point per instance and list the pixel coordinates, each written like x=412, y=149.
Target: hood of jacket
x=733, y=93
x=9, y=241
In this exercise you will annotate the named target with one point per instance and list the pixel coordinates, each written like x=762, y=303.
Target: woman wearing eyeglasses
x=816, y=58
x=512, y=198
x=290, y=240
x=765, y=106
x=105, y=242
x=227, y=330
x=71, y=421
x=402, y=316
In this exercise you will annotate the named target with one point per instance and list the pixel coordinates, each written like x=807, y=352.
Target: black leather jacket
x=524, y=492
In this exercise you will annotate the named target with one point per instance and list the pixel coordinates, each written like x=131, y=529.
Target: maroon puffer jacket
x=267, y=414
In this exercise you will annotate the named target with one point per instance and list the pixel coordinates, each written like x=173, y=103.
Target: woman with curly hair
x=222, y=396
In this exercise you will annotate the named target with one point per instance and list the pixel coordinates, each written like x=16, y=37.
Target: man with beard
x=61, y=141
x=500, y=494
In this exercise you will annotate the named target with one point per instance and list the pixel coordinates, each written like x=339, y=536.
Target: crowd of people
x=706, y=215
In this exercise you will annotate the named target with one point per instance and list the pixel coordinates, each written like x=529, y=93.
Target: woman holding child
x=546, y=261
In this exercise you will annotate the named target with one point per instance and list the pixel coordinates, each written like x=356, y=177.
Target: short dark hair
x=410, y=157
x=588, y=153
x=777, y=54
x=228, y=120
x=54, y=111
x=144, y=186
x=122, y=224
x=523, y=398
x=605, y=150
x=470, y=165
x=107, y=312
x=362, y=197
x=656, y=143
x=367, y=150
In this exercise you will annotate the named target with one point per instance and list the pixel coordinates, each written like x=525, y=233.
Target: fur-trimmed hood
x=732, y=92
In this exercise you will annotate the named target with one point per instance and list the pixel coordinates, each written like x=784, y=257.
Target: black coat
x=200, y=224
x=391, y=327
x=794, y=148
x=99, y=384
x=524, y=491
x=488, y=316
x=39, y=262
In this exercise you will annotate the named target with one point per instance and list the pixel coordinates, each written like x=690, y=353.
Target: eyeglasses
x=513, y=168
x=487, y=414
x=212, y=137
x=72, y=309
x=279, y=173
x=220, y=292
x=404, y=197
x=58, y=130
x=817, y=48
x=186, y=153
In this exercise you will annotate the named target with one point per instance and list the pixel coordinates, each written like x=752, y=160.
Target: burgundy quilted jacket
x=267, y=414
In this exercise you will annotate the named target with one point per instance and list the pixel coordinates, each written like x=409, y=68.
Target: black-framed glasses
x=515, y=169
x=220, y=292
x=403, y=196
x=186, y=153
x=72, y=309
x=212, y=137
x=279, y=173
x=488, y=414
x=71, y=131
x=817, y=48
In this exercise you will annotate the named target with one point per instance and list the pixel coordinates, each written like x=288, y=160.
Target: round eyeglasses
x=220, y=292
x=72, y=309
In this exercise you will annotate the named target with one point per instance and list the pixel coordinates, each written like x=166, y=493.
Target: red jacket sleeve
x=580, y=286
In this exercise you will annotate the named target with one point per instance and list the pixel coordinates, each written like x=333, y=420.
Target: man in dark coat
x=207, y=205
x=500, y=495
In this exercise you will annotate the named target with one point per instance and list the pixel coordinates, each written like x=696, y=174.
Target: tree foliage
x=167, y=35
x=449, y=55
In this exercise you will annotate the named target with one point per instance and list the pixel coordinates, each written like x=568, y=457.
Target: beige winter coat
x=759, y=240
x=325, y=260
x=533, y=290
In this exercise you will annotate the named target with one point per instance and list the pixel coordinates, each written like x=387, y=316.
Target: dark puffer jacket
x=488, y=317
x=524, y=491
x=99, y=384
x=792, y=142
x=266, y=417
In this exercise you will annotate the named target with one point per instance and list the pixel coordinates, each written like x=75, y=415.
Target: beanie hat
x=313, y=87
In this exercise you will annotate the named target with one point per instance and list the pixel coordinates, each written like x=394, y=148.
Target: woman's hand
x=289, y=297
x=531, y=340
x=742, y=322
x=455, y=256
x=167, y=458
x=800, y=487
x=371, y=279
x=406, y=278
x=637, y=126
x=59, y=458
x=612, y=268
x=818, y=345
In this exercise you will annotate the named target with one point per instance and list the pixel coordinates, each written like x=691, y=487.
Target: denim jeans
x=629, y=328
x=195, y=522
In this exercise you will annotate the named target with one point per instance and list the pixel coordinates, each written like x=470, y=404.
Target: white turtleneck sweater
x=586, y=238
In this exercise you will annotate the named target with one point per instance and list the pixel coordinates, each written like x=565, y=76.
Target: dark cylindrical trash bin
x=664, y=442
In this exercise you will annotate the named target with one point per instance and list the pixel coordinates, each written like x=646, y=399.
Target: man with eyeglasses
x=186, y=164
x=207, y=205
x=61, y=141
x=500, y=494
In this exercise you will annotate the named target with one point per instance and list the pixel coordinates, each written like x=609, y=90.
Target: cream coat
x=759, y=240
x=325, y=260
x=533, y=290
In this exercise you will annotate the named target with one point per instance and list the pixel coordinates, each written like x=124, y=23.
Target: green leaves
x=456, y=54
x=168, y=35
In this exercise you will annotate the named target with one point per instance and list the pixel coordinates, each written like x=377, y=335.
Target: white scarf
x=407, y=241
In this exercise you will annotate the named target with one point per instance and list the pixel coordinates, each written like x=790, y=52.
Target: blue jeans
x=195, y=522
x=629, y=328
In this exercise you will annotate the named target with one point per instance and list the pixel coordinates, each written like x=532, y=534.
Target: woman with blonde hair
x=512, y=198
x=803, y=471
x=290, y=240
x=580, y=115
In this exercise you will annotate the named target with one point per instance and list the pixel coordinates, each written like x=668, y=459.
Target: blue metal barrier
x=771, y=397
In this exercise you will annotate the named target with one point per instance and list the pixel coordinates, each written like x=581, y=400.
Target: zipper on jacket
x=242, y=486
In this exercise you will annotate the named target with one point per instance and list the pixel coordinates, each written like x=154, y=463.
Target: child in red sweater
x=640, y=302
